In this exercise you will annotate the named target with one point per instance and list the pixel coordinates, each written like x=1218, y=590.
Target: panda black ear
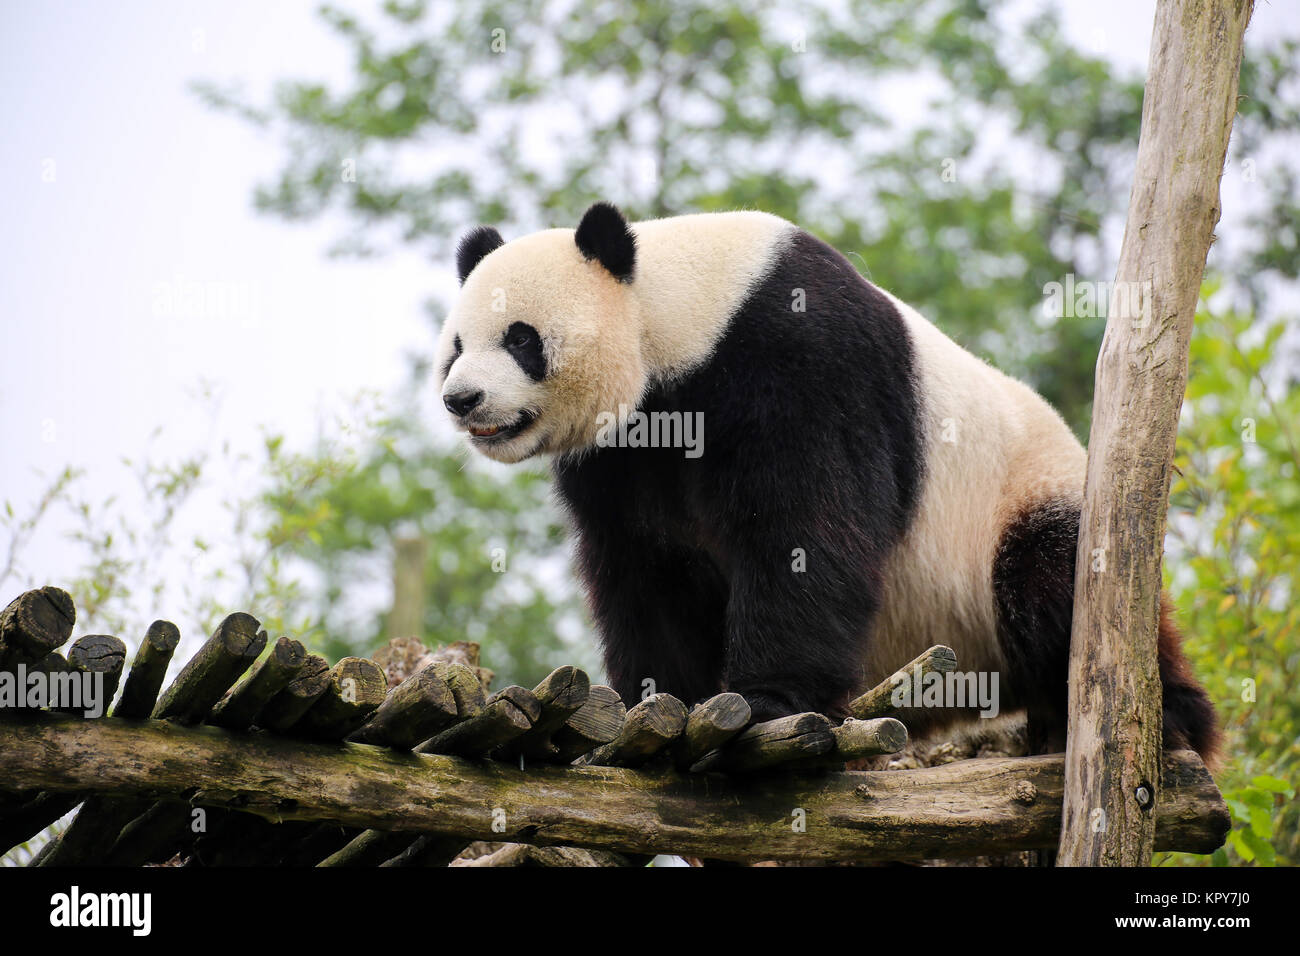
x=476, y=244
x=605, y=236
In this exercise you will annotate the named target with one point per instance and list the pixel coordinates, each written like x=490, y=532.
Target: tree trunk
x=1113, y=791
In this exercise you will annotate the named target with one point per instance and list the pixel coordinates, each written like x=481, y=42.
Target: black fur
x=476, y=244
x=811, y=441
x=1033, y=585
x=605, y=236
x=525, y=347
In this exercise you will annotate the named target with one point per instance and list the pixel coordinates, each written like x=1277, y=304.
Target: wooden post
x=1113, y=754
x=410, y=555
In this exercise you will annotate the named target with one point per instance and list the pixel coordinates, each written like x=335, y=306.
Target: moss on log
x=960, y=809
x=270, y=675
x=230, y=651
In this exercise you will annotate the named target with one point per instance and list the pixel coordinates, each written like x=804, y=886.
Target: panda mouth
x=500, y=433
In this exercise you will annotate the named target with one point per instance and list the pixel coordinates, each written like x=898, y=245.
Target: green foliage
x=1234, y=564
x=496, y=573
x=1005, y=181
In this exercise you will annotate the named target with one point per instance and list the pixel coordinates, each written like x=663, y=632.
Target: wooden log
x=153, y=836
x=965, y=808
x=287, y=707
x=879, y=701
x=102, y=656
x=413, y=711
x=233, y=647
x=595, y=723
x=34, y=624
x=148, y=668
x=429, y=850
x=709, y=725
x=561, y=694
x=370, y=848
x=239, y=708
x=32, y=813
x=92, y=832
x=649, y=727
x=53, y=665
x=855, y=739
x=357, y=686
x=465, y=685
x=230, y=651
x=509, y=714
x=771, y=743
x=1115, y=708
x=521, y=854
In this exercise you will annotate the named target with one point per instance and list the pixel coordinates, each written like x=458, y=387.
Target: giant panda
x=865, y=489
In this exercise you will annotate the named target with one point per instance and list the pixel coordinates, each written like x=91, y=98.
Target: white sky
x=152, y=189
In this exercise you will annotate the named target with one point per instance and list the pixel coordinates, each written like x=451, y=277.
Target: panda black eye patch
x=525, y=347
x=455, y=344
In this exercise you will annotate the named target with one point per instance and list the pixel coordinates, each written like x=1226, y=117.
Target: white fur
x=1009, y=451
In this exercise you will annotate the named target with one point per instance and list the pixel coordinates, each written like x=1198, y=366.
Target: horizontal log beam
x=960, y=809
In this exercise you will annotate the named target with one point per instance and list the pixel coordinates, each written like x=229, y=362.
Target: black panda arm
x=659, y=607
x=805, y=589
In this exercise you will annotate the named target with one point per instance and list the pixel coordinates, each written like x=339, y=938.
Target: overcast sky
x=122, y=189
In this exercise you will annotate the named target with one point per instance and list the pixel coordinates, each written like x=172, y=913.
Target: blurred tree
x=491, y=569
x=520, y=114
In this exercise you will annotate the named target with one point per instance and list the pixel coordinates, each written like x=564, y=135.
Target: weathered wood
x=561, y=694
x=960, y=809
x=428, y=850
x=153, y=836
x=709, y=725
x=102, y=656
x=855, y=739
x=596, y=722
x=357, y=687
x=508, y=714
x=879, y=701
x=466, y=686
x=239, y=708
x=773, y=742
x=370, y=848
x=31, y=814
x=286, y=708
x=522, y=854
x=230, y=651
x=462, y=679
x=92, y=832
x=413, y=711
x=148, y=669
x=649, y=727
x=1113, y=749
x=34, y=624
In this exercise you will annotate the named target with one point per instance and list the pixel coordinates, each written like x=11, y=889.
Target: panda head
x=544, y=337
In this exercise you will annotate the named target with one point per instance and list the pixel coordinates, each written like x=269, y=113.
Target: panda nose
x=462, y=403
